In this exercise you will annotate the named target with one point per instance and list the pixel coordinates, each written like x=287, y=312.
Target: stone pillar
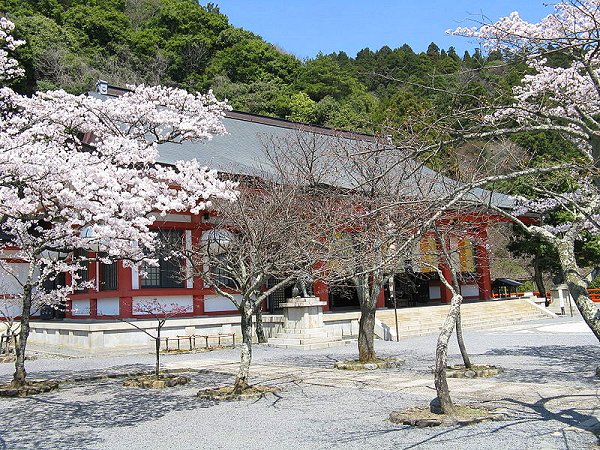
x=303, y=313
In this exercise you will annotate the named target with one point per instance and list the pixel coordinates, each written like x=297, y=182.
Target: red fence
x=517, y=294
x=593, y=293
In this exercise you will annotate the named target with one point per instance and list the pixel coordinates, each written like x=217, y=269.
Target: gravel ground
x=548, y=392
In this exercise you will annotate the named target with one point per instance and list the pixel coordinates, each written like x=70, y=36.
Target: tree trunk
x=366, y=326
x=538, y=277
x=441, y=356
x=19, y=377
x=260, y=332
x=157, y=345
x=461, y=342
x=577, y=284
x=241, y=380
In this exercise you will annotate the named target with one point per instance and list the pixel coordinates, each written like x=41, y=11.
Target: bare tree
x=161, y=312
x=264, y=235
x=449, y=258
x=366, y=213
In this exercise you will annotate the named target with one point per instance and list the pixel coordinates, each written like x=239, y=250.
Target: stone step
x=465, y=313
x=426, y=320
x=316, y=346
x=305, y=332
x=467, y=321
x=287, y=340
x=404, y=334
x=322, y=336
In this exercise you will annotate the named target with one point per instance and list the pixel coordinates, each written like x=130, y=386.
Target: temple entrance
x=343, y=296
x=410, y=289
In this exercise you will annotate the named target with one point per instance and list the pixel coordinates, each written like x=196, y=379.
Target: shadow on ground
x=74, y=416
x=548, y=363
x=569, y=426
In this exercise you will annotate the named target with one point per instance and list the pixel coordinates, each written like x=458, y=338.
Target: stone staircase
x=480, y=315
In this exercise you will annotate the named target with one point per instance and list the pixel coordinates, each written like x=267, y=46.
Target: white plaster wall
x=435, y=292
x=469, y=290
x=10, y=283
x=80, y=308
x=182, y=301
x=174, y=218
x=214, y=303
x=9, y=307
x=108, y=306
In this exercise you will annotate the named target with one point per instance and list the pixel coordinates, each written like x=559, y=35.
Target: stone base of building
x=95, y=336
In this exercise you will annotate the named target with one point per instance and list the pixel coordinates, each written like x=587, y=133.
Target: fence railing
x=517, y=294
x=593, y=293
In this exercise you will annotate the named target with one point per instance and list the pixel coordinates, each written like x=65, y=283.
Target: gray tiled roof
x=241, y=151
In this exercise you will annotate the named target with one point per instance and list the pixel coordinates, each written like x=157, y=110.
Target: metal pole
x=570, y=303
x=392, y=284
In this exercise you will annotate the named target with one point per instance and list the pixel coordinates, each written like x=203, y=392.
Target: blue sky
x=305, y=27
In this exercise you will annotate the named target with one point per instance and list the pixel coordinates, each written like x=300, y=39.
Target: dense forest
x=71, y=43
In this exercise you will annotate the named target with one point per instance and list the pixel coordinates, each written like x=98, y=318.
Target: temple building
x=241, y=152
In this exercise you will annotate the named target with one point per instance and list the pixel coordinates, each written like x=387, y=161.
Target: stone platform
x=303, y=326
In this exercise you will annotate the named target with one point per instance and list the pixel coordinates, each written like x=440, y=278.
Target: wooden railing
x=517, y=294
x=593, y=293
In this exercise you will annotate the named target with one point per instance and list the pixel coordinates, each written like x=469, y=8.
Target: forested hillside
x=71, y=43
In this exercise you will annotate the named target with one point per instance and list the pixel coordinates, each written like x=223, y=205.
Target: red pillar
x=68, y=314
x=69, y=305
x=446, y=294
x=321, y=290
x=198, y=285
x=198, y=303
x=380, y=300
x=93, y=272
x=125, y=285
x=93, y=308
x=482, y=261
x=125, y=307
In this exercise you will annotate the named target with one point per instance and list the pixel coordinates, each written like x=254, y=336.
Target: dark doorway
x=410, y=289
x=278, y=297
x=54, y=312
x=343, y=296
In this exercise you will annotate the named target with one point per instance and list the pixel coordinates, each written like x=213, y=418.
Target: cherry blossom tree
x=561, y=97
x=77, y=172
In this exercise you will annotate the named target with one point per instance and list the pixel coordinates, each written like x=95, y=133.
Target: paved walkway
x=548, y=392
